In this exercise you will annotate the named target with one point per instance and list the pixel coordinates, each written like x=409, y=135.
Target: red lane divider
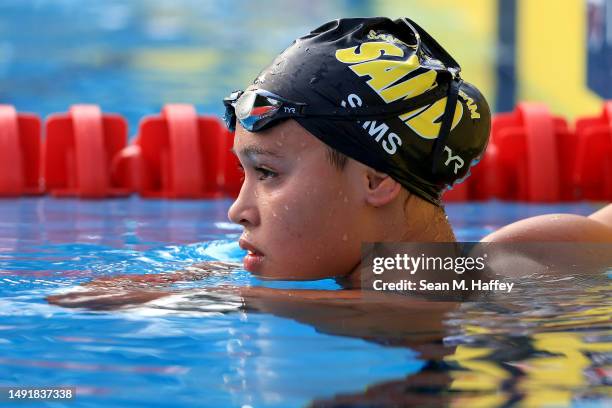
x=592, y=170
x=532, y=156
x=459, y=192
x=78, y=148
x=480, y=183
x=125, y=168
x=19, y=153
x=526, y=154
x=483, y=181
x=181, y=154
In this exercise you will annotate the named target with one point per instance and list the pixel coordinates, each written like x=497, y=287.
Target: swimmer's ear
x=381, y=188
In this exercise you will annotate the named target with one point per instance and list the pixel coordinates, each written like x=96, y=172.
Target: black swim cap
x=368, y=62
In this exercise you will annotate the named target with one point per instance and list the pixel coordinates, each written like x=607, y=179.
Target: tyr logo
x=459, y=161
x=289, y=110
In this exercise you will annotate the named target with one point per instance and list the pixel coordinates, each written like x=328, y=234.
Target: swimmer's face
x=302, y=217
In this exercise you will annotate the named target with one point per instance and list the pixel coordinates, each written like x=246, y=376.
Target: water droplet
x=345, y=237
x=287, y=207
x=233, y=346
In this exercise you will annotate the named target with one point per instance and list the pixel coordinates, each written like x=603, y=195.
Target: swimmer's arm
x=603, y=215
x=339, y=312
x=579, y=245
x=158, y=280
x=122, y=291
x=597, y=227
x=114, y=292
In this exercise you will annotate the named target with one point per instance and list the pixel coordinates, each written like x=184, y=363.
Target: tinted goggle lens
x=252, y=108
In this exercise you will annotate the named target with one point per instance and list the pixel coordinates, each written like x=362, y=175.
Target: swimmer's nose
x=244, y=210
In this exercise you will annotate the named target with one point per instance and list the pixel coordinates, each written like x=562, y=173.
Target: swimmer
x=351, y=135
x=348, y=137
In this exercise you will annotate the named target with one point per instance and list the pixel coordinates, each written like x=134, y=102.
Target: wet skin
x=298, y=212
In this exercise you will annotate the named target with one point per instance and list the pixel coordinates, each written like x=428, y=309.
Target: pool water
x=552, y=344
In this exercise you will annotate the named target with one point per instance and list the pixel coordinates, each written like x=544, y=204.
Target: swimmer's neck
x=437, y=230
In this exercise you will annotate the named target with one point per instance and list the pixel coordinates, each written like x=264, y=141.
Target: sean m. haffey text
x=404, y=263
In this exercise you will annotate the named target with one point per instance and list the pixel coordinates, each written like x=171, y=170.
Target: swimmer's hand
x=113, y=292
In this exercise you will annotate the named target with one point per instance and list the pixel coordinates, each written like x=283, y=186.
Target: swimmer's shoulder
x=597, y=227
x=553, y=244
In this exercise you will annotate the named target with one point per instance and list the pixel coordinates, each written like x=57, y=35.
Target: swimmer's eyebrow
x=250, y=151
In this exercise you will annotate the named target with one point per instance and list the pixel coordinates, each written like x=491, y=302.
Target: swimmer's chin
x=274, y=276
x=264, y=273
x=259, y=266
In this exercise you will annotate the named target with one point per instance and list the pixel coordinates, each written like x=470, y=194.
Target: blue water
x=201, y=352
x=196, y=358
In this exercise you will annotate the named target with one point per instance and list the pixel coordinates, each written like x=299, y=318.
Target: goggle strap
x=447, y=121
x=292, y=109
x=429, y=42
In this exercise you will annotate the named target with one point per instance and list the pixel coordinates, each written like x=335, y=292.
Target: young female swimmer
x=349, y=136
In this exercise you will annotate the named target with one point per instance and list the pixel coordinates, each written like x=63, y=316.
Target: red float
x=182, y=155
x=19, y=153
x=592, y=168
x=459, y=192
x=531, y=156
x=529, y=143
x=78, y=150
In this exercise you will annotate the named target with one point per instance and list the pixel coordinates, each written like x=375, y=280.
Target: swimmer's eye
x=265, y=173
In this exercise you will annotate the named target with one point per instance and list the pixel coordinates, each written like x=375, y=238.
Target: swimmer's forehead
x=283, y=141
x=253, y=151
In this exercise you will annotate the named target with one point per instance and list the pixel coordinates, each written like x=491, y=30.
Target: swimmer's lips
x=254, y=258
x=247, y=246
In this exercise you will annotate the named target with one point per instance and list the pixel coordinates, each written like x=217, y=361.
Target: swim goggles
x=258, y=109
